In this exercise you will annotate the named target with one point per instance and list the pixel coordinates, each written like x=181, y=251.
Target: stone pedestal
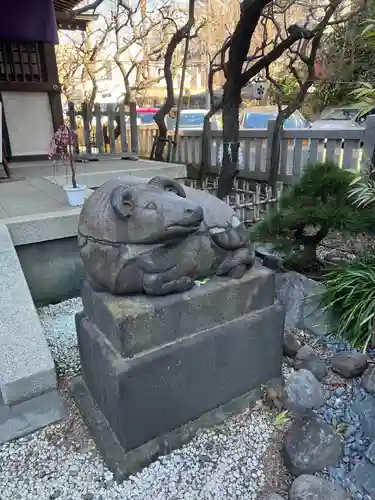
x=155, y=369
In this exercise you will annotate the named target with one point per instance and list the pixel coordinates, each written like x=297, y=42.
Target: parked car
x=343, y=117
x=192, y=119
x=259, y=116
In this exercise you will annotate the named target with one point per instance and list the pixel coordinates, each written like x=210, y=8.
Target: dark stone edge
x=123, y=463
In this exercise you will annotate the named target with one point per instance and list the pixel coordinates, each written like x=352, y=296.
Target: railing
x=351, y=148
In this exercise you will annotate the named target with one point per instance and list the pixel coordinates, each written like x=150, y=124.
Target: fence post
x=368, y=155
x=133, y=127
x=270, y=130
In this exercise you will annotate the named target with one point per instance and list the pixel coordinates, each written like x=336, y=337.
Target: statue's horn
x=168, y=185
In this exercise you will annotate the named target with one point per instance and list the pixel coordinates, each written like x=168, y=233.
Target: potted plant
x=64, y=148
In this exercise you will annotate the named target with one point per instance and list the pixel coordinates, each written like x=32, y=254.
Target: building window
x=22, y=62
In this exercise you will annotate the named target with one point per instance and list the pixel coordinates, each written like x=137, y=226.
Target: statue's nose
x=196, y=211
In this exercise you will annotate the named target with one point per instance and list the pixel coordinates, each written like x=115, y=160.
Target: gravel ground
x=237, y=460
x=59, y=328
x=216, y=464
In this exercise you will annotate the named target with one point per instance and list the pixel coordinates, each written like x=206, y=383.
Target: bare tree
x=68, y=64
x=87, y=51
x=299, y=64
x=140, y=42
x=240, y=62
x=179, y=35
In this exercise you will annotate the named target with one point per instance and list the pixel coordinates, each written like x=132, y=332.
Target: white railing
x=351, y=148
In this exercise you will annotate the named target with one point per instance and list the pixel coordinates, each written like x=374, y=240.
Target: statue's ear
x=121, y=201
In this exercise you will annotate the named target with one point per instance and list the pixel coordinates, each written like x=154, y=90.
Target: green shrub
x=308, y=210
x=350, y=295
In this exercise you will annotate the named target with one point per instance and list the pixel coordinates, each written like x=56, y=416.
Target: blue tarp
x=28, y=21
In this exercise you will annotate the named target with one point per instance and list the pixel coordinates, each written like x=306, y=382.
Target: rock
x=368, y=380
x=310, y=446
x=365, y=408
x=303, y=392
x=316, y=366
x=273, y=496
x=370, y=453
x=306, y=353
x=349, y=364
x=308, y=487
x=274, y=393
x=291, y=344
x=364, y=474
x=56, y=494
x=87, y=496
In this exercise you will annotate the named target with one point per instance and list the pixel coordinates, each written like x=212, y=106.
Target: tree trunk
x=276, y=150
x=229, y=170
x=159, y=117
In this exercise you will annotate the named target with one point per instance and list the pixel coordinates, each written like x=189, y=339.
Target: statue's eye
x=151, y=206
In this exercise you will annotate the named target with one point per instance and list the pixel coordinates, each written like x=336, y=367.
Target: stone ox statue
x=157, y=237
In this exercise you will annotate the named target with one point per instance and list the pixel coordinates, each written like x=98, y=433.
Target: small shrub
x=308, y=210
x=350, y=295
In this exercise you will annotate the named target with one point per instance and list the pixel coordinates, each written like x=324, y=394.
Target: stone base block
x=155, y=368
x=156, y=391
x=135, y=323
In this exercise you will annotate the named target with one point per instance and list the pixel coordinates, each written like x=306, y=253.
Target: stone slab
x=156, y=391
x=123, y=462
x=38, y=228
x=135, y=323
x=26, y=417
x=26, y=364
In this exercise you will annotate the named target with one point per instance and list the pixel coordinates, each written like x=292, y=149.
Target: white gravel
x=221, y=463
x=59, y=328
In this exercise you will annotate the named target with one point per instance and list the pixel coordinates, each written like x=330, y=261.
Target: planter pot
x=76, y=196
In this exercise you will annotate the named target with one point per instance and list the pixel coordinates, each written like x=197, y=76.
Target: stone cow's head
x=157, y=212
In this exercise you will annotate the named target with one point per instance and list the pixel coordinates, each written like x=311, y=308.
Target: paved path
x=41, y=189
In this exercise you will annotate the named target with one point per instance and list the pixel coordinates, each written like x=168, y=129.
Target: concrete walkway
x=41, y=189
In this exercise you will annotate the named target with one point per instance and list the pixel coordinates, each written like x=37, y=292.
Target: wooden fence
x=351, y=148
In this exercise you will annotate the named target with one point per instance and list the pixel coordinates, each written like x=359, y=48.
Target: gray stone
x=307, y=359
x=274, y=496
x=140, y=322
x=158, y=237
x=26, y=364
x=368, y=380
x=370, y=453
x=308, y=487
x=194, y=374
x=349, y=364
x=311, y=446
x=364, y=474
x=291, y=344
x=26, y=417
x=300, y=297
x=303, y=392
x=306, y=353
x=365, y=408
x=316, y=366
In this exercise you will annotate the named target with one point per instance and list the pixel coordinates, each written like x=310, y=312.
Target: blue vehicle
x=259, y=116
